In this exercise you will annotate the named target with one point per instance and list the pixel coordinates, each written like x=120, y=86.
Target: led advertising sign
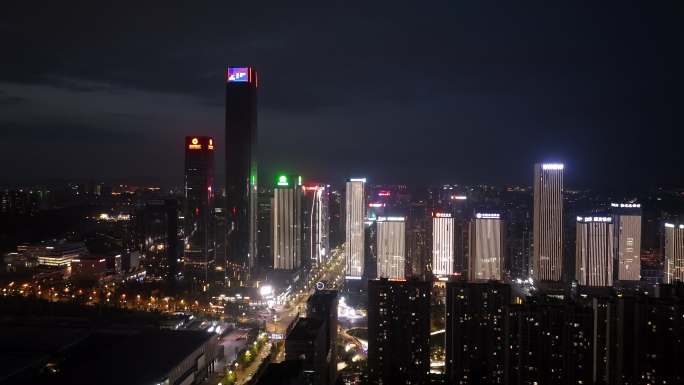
x=594, y=219
x=626, y=205
x=552, y=166
x=442, y=215
x=238, y=74
x=282, y=181
x=487, y=216
x=194, y=144
x=211, y=144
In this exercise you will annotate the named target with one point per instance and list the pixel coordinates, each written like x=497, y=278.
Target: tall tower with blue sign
x=241, y=172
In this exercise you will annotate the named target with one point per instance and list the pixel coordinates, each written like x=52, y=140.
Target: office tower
x=594, y=251
x=316, y=224
x=198, y=250
x=156, y=237
x=443, y=244
x=287, y=223
x=486, y=247
x=674, y=252
x=547, y=258
x=398, y=331
x=627, y=243
x=355, y=209
x=322, y=305
x=370, y=265
x=476, y=335
x=391, y=238
x=241, y=170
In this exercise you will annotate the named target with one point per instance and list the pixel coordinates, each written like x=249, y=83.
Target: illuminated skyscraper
x=287, y=223
x=547, y=258
x=241, y=170
x=198, y=245
x=486, y=247
x=627, y=222
x=443, y=244
x=354, y=245
x=391, y=239
x=674, y=252
x=594, y=251
x=316, y=223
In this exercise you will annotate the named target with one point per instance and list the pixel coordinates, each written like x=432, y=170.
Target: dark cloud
x=400, y=91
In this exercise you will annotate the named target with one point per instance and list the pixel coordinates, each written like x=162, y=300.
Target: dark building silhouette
x=646, y=340
x=398, y=331
x=156, y=237
x=265, y=230
x=476, y=334
x=241, y=170
x=198, y=221
x=322, y=305
x=550, y=343
x=370, y=229
x=306, y=343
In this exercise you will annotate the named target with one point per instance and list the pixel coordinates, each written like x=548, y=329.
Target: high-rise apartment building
x=241, y=170
x=391, y=238
x=354, y=218
x=627, y=244
x=398, y=331
x=198, y=242
x=486, y=246
x=443, y=244
x=547, y=257
x=316, y=223
x=674, y=252
x=287, y=223
x=594, y=251
x=476, y=334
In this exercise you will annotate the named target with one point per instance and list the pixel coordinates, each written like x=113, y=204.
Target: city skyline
x=331, y=194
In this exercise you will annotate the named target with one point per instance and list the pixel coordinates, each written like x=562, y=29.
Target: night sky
x=401, y=92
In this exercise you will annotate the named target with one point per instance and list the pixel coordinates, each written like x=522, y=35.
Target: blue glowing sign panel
x=238, y=74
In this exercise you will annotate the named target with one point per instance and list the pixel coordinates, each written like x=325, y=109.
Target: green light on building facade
x=282, y=181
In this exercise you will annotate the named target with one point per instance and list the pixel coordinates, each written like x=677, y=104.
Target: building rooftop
x=60, y=352
x=305, y=329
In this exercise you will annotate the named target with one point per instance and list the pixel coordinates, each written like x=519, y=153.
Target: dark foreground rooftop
x=60, y=352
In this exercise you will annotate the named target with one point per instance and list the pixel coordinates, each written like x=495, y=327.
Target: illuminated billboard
x=238, y=74
x=199, y=142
